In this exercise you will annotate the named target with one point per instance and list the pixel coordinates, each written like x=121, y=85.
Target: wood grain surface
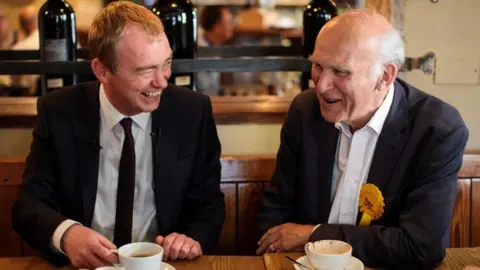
x=22, y=111
x=243, y=180
x=202, y=263
x=456, y=258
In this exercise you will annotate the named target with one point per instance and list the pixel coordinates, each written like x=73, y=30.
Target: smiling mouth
x=151, y=94
x=331, y=100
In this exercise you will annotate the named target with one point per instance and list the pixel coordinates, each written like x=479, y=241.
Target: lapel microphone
x=95, y=145
x=156, y=134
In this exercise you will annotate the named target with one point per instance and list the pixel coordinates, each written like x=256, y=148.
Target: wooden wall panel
x=10, y=179
x=243, y=180
x=249, y=197
x=470, y=166
x=460, y=225
x=475, y=216
x=27, y=250
x=9, y=239
x=227, y=241
x=247, y=168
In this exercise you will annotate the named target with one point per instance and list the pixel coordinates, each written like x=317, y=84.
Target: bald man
x=363, y=129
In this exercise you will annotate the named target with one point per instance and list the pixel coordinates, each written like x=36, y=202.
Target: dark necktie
x=126, y=188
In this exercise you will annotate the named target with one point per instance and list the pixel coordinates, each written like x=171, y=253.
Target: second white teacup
x=328, y=254
x=141, y=256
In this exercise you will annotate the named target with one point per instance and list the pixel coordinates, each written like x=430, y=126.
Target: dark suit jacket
x=60, y=181
x=415, y=165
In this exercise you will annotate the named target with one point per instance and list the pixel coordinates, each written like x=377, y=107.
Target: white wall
x=450, y=29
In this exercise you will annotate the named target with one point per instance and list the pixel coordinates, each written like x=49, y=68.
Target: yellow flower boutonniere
x=371, y=204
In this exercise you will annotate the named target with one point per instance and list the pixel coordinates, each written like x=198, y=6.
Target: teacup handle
x=308, y=247
x=114, y=251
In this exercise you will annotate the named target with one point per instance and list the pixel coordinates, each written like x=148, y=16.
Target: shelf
x=21, y=112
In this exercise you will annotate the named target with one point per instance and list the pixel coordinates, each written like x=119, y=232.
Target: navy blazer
x=415, y=165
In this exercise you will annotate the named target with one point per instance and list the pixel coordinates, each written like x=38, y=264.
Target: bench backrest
x=243, y=181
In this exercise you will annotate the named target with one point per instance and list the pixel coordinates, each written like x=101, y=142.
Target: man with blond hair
x=128, y=158
x=365, y=157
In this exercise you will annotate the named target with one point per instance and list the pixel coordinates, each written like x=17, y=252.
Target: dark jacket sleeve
x=35, y=214
x=205, y=205
x=422, y=235
x=279, y=197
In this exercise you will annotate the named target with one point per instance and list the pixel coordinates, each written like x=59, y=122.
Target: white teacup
x=140, y=256
x=328, y=254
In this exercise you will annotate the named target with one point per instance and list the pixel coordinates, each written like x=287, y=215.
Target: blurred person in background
x=28, y=20
x=8, y=36
x=216, y=29
x=7, y=39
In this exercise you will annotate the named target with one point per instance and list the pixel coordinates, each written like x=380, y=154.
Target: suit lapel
x=326, y=136
x=391, y=141
x=164, y=152
x=86, y=127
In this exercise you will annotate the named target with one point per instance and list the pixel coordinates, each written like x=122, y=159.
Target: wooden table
x=202, y=263
x=277, y=261
x=456, y=258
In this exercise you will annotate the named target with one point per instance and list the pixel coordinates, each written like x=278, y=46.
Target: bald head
x=357, y=24
x=368, y=31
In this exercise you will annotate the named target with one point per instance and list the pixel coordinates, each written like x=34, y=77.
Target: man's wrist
x=58, y=235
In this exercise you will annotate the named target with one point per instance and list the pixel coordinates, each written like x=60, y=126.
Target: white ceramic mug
x=140, y=256
x=328, y=254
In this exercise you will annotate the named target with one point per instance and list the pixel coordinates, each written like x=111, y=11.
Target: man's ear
x=387, y=77
x=100, y=70
x=390, y=72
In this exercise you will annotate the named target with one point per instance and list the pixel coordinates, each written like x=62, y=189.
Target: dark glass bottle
x=316, y=14
x=58, y=40
x=179, y=18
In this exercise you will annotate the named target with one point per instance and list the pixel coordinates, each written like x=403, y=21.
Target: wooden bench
x=243, y=181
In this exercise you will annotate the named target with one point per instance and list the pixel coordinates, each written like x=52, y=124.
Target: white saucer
x=353, y=264
x=166, y=266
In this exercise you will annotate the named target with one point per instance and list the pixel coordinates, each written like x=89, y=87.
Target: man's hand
x=87, y=249
x=471, y=268
x=285, y=238
x=178, y=246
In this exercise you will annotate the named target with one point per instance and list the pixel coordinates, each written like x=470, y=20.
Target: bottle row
x=58, y=40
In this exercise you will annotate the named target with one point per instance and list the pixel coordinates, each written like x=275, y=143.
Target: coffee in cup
x=328, y=254
x=140, y=256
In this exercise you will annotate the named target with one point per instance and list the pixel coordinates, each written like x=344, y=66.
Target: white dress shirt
x=352, y=163
x=111, y=139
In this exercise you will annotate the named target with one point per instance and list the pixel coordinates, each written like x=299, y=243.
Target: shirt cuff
x=315, y=228
x=58, y=234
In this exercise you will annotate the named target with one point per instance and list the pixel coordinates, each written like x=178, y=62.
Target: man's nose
x=324, y=81
x=159, y=80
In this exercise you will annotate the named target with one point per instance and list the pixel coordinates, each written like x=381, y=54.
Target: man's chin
x=148, y=109
x=330, y=117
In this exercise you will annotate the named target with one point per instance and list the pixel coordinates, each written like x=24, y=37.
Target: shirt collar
x=113, y=116
x=378, y=119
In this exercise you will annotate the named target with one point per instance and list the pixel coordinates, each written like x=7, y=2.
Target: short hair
x=392, y=50
x=108, y=26
x=211, y=15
